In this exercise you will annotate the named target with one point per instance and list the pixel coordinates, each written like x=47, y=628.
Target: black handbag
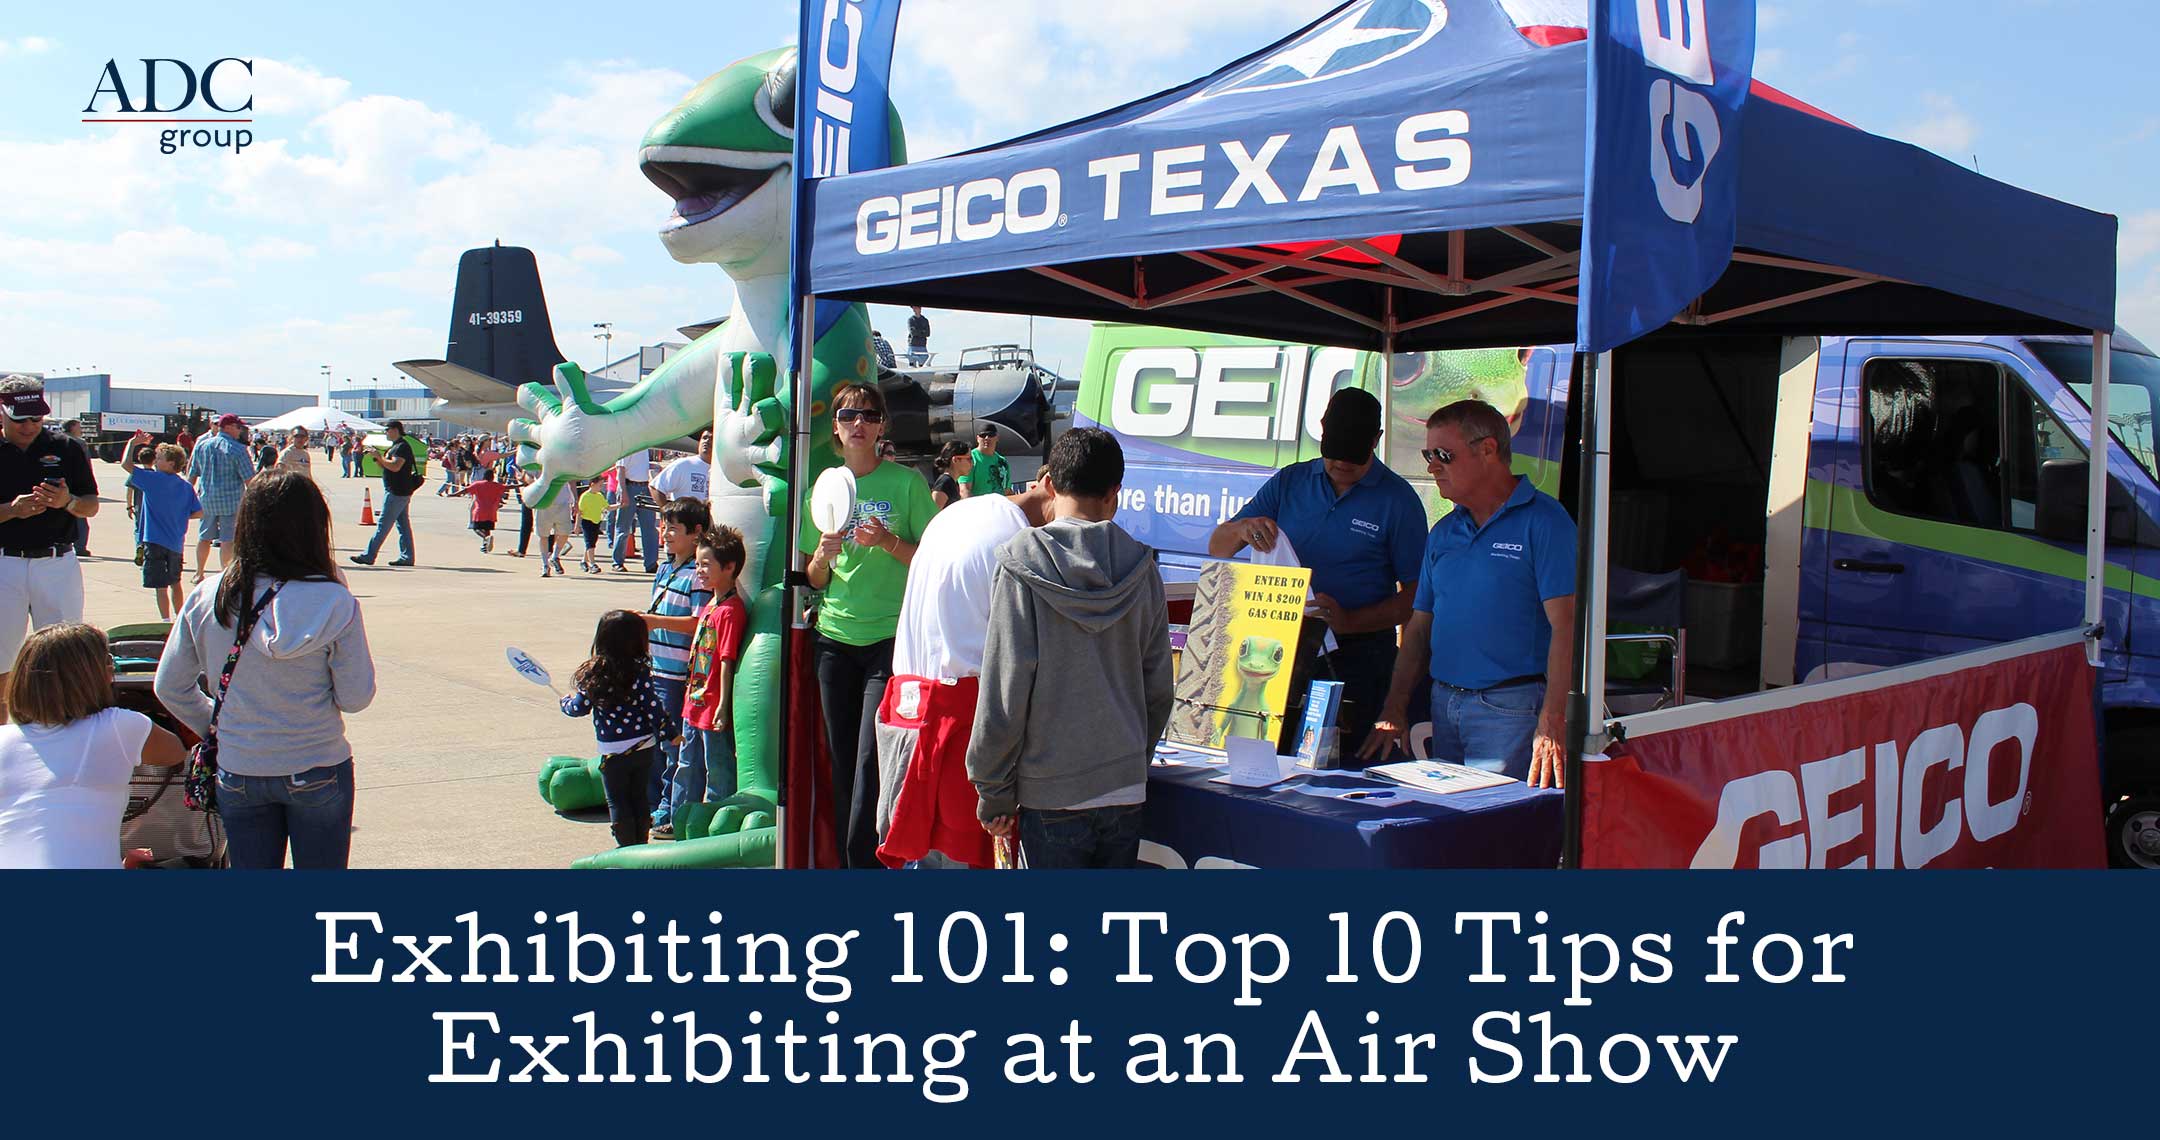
x=200, y=789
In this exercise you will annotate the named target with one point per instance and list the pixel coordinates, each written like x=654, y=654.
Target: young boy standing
x=716, y=636
x=675, y=593
x=1075, y=674
x=592, y=506
x=167, y=505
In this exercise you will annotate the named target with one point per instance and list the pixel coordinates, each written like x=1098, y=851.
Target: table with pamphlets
x=1334, y=820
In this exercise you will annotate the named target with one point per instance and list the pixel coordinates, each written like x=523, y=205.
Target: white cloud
x=615, y=106
x=292, y=89
x=2140, y=237
x=109, y=178
x=1946, y=130
x=169, y=258
x=279, y=249
x=26, y=45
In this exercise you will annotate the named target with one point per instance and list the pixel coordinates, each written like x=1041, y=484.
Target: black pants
x=525, y=528
x=851, y=686
x=1363, y=662
x=629, y=801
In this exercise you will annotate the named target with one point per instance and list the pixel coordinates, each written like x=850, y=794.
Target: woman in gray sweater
x=285, y=773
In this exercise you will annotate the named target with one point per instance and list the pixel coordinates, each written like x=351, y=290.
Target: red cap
x=230, y=420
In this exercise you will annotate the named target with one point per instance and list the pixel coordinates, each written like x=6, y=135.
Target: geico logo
x=1514, y=546
x=1429, y=151
x=833, y=109
x=1900, y=837
x=1678, y=43
x=971, y=211
x=1229, y=392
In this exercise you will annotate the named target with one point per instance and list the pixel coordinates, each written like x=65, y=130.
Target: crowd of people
x=992, y=662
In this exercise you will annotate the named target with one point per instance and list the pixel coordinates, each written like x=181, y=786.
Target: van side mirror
x=2063, y=498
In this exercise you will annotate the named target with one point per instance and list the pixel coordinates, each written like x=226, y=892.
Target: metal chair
x=1658, y=601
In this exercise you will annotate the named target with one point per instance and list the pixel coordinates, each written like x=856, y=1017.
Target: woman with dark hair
x=862, y=567
x=279, y=635
x=953, y=464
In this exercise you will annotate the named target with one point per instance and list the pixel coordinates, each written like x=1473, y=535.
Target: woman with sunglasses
x=862, y=568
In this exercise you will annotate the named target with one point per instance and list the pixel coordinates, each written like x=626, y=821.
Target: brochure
x=1438, y=777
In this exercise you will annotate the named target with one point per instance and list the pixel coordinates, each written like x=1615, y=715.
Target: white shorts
x=35, y=593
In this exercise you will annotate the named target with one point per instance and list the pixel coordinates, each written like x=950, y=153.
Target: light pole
x=326, y=383
x=606, y=337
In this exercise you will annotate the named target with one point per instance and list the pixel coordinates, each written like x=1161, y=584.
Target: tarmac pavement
x=446, y=757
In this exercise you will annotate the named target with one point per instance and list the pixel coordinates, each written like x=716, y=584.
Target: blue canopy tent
x=1405, y=175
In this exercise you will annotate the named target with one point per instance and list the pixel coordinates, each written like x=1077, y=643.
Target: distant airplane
x=500, y=337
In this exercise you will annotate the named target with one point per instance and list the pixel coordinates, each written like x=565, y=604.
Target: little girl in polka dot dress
x=614, y=686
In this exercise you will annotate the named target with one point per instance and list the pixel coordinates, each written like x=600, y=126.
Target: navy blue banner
x=1082, y=1004
x=1668, y=82
x=843, y=118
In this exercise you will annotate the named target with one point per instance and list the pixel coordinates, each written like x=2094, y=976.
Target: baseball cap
x=25, y=405
x=984, y=430
x=1349, y=426
x=230, y=420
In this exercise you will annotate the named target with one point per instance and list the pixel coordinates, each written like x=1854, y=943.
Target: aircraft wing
x=458, y=384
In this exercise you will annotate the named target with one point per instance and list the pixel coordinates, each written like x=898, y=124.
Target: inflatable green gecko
x=725, y=154
x=1246, y=714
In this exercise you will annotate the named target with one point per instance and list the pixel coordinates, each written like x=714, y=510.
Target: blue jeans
x=1104, y=837
x=1486, y=727
x=625, y=777
x=661, y=783
x=647, y=524
x=394, y=513
x=312, y=811
x=717, y=747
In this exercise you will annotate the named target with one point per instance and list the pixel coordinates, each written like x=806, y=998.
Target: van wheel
x=2133, y=831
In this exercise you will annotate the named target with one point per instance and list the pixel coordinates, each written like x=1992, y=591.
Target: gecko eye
x=1278, y=655
x=780, y=95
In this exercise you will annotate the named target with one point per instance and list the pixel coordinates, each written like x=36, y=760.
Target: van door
x=1933, y=547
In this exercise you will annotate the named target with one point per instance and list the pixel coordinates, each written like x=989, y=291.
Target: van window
x=1957, y=440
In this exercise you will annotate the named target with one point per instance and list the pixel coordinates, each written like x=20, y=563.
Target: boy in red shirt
x=487, y=499
x=707, y=768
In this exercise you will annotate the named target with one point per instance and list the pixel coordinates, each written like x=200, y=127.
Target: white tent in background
x=319, y=419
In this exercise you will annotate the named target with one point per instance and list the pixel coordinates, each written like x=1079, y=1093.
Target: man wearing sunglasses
x=1494, y=616
x=45, y=485
x=1361, y=530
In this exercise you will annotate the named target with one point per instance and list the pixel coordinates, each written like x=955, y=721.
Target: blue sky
x=390, y=140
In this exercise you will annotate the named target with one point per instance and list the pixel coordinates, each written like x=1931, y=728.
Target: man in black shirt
x=400, y=479
x=45, y=485
x=918, y=339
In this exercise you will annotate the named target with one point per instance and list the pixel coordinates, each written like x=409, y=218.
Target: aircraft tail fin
x=498, y=317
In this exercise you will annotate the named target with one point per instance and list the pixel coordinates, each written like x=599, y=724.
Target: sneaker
x=487, y=544
x=663, y=831
x=545, y=572
x=357, y=560
x=401, y=562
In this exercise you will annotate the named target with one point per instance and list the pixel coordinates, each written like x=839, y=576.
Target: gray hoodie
x=1076, y=670
x=305, y=665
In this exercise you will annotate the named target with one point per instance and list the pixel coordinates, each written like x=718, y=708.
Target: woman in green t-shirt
x=863, y=570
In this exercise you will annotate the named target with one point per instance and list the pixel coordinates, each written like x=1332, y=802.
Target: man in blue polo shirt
x=1361, y=530
x=1494, y=615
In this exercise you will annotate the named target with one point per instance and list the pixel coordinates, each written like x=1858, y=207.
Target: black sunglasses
x=866, y=415
x=1439, y=455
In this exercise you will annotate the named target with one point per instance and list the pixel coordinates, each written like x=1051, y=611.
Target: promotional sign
x=842, y=77
x=1991, y=765
x=1205, y=418
x=1234, y=675
x=528, y=668
x=130, y=421
x=1668, y=82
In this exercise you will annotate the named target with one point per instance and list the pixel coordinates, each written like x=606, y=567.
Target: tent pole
x=2096, y=499
x=790, y=590
x=1586, y=698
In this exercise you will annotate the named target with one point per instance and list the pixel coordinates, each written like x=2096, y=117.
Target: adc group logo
x=200, y=108
x=1361, y=36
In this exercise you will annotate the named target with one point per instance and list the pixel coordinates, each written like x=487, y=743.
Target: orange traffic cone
x=630, y=539
x=367, y=506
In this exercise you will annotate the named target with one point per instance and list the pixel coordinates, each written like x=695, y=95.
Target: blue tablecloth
x=1306, y=822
